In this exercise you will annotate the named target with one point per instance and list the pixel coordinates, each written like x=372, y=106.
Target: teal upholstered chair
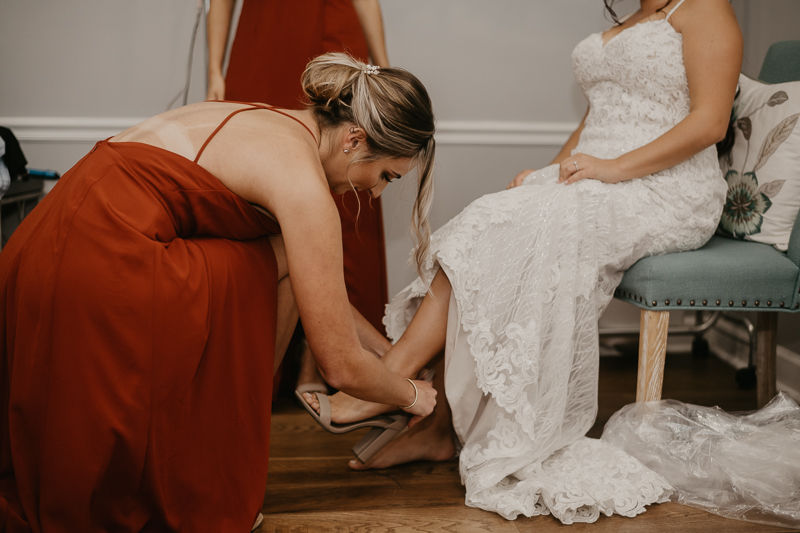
x=725, y=274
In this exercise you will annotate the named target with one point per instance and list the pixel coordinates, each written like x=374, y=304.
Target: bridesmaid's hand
x=519, y=178
x=426, y=401
x=216, y=87
x=582, y=166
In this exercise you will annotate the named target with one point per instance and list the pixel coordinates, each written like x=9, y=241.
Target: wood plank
x=652, y=352
x=663, y=518
x=329, y=485
x=450, y=519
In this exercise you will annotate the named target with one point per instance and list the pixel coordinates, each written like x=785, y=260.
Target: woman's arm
x=218, y=23
x=712, y=54
x=370, y=338
x=565, y=152
x=369, y=16
x=312, y=237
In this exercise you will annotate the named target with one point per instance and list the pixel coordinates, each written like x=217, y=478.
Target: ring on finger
x=576, y=165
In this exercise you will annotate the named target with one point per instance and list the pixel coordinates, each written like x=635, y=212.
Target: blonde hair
x=393, y=108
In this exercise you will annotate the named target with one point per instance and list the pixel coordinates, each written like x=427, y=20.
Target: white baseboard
x=486, y=132
x=67, y=129
x=731, y=344
x=449, y=132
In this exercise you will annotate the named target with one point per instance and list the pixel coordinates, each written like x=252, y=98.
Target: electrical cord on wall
x=185, y=91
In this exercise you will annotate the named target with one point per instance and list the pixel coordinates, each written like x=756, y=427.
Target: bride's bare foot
x=346, y=409
x=429, y=440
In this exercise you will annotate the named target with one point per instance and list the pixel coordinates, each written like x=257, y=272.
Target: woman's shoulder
x=263, y=156
x=688, y=14
x=274, y=139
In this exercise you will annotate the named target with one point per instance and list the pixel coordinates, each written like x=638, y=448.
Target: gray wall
x=498, y=71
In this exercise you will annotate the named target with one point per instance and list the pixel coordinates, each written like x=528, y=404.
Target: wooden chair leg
x=766, y=356
x=653, y=328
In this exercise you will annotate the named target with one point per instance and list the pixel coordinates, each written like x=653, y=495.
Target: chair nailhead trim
x=692, y=303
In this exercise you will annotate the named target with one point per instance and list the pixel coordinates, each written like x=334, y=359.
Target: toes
x=311, y=399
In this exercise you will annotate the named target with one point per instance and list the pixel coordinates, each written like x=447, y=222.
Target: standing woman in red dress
x=275, y=39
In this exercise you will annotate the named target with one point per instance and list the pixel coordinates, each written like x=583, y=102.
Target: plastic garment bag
x=745, y=467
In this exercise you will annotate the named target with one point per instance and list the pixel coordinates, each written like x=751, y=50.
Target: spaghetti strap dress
x=274, y=41
x=138, y=326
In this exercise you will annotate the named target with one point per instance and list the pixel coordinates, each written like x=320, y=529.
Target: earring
x=346, y=151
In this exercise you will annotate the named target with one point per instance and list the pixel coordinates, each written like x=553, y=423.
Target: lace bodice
x=636, y=86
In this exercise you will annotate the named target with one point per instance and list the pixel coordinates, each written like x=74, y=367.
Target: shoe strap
x=324, y=409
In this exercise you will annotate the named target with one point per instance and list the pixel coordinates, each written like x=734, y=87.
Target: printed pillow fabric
x=763, y=168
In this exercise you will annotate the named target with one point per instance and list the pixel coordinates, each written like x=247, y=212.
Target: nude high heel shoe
x=384, y=427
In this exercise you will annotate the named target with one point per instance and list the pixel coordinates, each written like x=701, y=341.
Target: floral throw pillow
x=763, y=168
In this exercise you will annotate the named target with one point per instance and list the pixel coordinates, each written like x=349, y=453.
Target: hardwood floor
x=310, y=488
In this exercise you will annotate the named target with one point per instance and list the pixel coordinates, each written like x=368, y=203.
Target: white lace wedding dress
x=532, y=269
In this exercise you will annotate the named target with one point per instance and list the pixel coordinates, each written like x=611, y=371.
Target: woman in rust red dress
x=274, y=41
x=149, y=294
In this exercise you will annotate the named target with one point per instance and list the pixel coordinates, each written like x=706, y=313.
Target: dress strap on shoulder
x=251, y=108
x=671, y=11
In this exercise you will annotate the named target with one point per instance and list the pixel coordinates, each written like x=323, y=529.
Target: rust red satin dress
x=139, y=306
x=274, y=41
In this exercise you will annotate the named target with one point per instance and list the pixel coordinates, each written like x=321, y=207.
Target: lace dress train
x=532, y=270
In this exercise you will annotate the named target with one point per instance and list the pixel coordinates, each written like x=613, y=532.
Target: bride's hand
x=426, y=401
x=582, y=166
x=519, y=178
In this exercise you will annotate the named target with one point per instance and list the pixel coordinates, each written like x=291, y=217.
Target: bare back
x=272, y=161
x=254, y=150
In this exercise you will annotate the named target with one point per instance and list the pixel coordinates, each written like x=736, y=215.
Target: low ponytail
x=393, y=108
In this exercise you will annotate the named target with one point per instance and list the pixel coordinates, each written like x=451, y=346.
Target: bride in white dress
x=519, y=279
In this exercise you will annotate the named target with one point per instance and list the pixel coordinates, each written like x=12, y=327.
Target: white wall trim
x=488, y=132
x=449, y=132
x=67, y=129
